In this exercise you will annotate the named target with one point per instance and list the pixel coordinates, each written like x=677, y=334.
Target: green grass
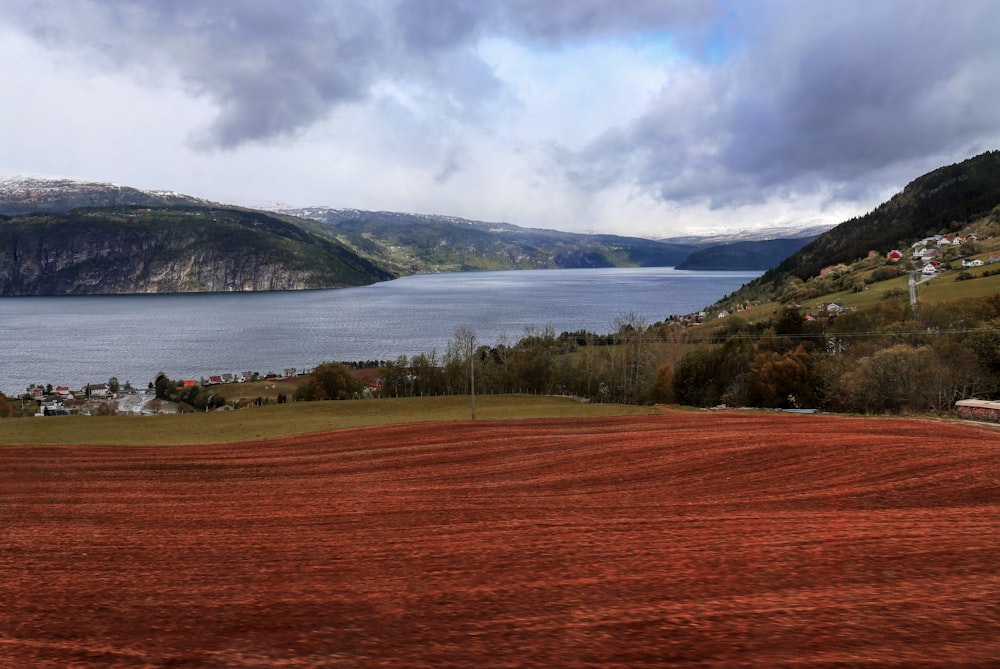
x=945, y=289
x=269, y=390
x=272, y=421
x=940, y=289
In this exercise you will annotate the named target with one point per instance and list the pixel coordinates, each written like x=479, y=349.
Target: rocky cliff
x=179, y=249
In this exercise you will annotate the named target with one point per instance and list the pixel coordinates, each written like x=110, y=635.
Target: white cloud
x=642, y=117
x=69, y=120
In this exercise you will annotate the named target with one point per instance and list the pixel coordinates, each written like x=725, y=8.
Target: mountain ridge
x=422, y=243
x=376, y=244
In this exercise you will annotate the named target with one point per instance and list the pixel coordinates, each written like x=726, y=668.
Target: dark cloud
x=559, y=21
x=777, y=98
x=273, y=68
x=844, y=97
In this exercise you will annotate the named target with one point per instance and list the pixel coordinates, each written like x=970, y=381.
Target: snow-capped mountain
x=24, y=194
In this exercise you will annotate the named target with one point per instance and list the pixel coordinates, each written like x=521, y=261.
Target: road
x=134, y=403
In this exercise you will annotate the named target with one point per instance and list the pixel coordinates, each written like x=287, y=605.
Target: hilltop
x=421, y=243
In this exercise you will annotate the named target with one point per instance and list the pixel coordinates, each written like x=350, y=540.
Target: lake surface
x=87, y=339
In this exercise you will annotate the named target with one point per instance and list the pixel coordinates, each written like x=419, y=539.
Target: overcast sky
x=642, y=117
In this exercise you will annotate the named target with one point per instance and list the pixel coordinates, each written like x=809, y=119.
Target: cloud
x=273, y=69
x=270, y=68
x=815, y=97
x=581, y=114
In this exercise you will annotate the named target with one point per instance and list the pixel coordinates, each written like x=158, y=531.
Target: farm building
x=979, y=410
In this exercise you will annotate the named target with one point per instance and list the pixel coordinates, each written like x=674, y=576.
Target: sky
x=652, y=118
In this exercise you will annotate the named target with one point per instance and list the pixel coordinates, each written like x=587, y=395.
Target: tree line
x=881, y=359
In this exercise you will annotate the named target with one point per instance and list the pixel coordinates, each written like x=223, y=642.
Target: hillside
x=416, y=243
x=691, y=539
x=942, y=201
x=176, y=249
x=421, y=243
x=749, y=255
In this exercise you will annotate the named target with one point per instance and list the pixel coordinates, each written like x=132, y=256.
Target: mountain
x=417, y=243
x=761, y=234
x=23, y=195
x=67, y=236
x=744, y=255
x=133, y=249
x=938, y=202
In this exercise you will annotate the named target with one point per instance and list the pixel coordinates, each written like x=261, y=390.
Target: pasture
x=271, y=421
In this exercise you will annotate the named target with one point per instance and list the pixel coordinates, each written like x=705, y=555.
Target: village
x=110, y=397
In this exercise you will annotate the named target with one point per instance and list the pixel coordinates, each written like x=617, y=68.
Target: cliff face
x=172, y=250
x=98, y=267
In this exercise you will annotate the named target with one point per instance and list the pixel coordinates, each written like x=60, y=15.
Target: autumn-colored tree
x=781, y=380
x=662, y=391
x=6, y=410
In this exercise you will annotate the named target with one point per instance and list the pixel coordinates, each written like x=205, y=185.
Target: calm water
x=87, y=339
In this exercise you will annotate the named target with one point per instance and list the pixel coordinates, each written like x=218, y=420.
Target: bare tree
x=465, y=342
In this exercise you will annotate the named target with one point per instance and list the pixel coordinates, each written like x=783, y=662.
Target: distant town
x=111, y=397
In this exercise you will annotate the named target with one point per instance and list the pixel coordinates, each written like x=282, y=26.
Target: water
x=87, y=339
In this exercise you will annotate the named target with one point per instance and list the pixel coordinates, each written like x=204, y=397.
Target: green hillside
x=411, y=243
x=942, y=201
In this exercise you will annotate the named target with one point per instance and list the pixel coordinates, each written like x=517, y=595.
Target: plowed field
x=691, y=539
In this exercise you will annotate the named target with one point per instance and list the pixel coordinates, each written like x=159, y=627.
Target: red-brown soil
x=714, y=540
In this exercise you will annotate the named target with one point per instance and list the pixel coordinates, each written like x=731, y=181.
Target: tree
x=164, y=387
x=630, y=329
x=781, y=380
x=890, y=380
x=395, y=377
x=6, y=410
x=709, y=374
x=663, y=388
x=465, y=344
x=113, y=385
x=329, y=381
x=429, y=379
x=696, y=379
